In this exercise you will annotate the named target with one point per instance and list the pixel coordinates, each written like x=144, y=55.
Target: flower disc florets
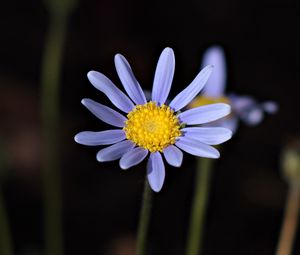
x=152, y=127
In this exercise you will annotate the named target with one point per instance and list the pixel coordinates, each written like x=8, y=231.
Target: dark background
x=101, y=202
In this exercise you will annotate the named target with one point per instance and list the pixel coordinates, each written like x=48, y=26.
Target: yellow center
x=152, y=127
x=202, y=100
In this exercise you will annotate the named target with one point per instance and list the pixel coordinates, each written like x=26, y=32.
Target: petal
x=252, y=116
x=204, y=114
x=208, y=135
x=215, y=85
x=128, y=80
x=230, y=123
x=163, y=76
x=270, y=107
x=188, y=94
x=104, y=113
x=115, y=151
x=133, y=157
x=197, y=148
x=247, y=109
x=100, y=138
x=173, y=155
x=240, y=103
x=156, y=171
x=115, y=95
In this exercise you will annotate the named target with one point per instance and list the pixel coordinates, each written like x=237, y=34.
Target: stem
x=144, y=219
x=195, y=235
x=290, y=221
x=5, y=240
x=50, y=80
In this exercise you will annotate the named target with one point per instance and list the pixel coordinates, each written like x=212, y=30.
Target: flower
x=245, y=108
x=153, y=126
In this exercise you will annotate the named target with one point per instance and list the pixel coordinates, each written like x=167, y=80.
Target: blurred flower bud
x=291, y=163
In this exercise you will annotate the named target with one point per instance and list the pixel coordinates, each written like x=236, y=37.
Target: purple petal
x=230, y=123
x=188, y=94
x=173, y=155
x=215, y=85
x=241, y=103
x=252, y=116
x=115, y=151
x=104, y=113
x=133, y=157
x=115, y=95
x=204, y=114
x=197, y=148
x=163, y=76
x=270, y=107
x=128, y=80
x=208, y=135
x=156, y=171
x=100, y=138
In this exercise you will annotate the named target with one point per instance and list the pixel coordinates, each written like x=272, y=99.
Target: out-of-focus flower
x=153, y=126
x=245, y=108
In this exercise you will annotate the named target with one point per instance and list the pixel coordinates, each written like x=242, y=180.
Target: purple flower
x=153, y=126
x=245, y=108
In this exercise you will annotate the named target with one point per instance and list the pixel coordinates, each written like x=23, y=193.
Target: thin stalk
x=50, y=81
x=290, y=222
x=144, y=220
x=6, y=247
x=202, y=187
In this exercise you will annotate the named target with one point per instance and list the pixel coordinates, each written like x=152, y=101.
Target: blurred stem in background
x=6, y=246
x=291, y=172
x=144, y=219
x=202, y=187
x=50, y=79
x=290, y=222
x=5, y=234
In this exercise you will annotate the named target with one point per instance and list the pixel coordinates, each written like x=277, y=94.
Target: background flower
x=245, y=108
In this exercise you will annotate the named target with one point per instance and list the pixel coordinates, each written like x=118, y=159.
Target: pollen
x=152, y=127
x=203, y=100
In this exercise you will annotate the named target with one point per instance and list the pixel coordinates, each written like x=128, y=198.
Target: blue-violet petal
x=197, y=148
x=104, y=113
x=208, y=135
x=130, y=83
x=173, y=155
x=163, y=76
x=115, y=151
x=188, y=94
x=204, y=114
x=133, y=157
x=215, y=86
x=115, y=95
x=156, y=171
x=100, y=138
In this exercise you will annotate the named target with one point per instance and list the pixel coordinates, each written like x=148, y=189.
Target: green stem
x=202, y=186
x=5, y=240
x=290, y=221
x=50, y=80
x=144, y=219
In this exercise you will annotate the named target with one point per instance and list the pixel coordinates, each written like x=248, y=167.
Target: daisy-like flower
x=245, y=108
x=153, y=127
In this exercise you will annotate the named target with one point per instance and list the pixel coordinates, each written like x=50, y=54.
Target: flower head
x=245, y=108
x=153, y=126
